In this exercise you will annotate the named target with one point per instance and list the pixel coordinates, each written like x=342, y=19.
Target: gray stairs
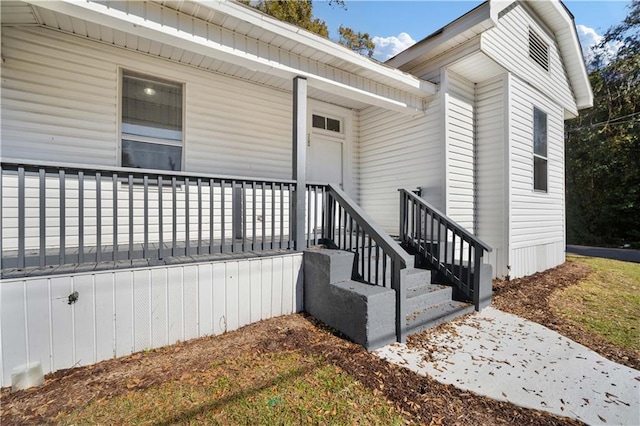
x=428, y=305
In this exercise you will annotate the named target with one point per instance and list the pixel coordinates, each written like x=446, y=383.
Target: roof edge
x=479, y=15
x=577, y=69
x=300, y=35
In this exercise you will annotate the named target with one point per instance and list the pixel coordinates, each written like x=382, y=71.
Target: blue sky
x=398, y=24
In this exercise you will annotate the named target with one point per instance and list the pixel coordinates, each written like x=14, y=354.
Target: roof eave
x=299, y=35
x=478, y=17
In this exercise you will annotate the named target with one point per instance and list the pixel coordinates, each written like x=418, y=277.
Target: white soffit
x=302, y=37
x=17, y=13
x=477, y=68
x=120, y=21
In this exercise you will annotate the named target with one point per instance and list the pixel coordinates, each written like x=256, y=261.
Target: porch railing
x=60, y=215
x=452, y=250
x=379, y=259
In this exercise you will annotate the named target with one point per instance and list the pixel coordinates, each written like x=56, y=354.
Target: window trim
x=122, y=127
x=540, y=156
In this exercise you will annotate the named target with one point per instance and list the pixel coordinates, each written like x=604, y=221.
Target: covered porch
x=102, y=257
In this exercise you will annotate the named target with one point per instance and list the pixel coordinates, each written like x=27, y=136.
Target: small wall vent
x=538, y=50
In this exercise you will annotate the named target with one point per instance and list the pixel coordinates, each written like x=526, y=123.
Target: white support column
x=299, y=160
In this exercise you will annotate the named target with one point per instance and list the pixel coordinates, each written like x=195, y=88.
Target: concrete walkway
x=508, y=358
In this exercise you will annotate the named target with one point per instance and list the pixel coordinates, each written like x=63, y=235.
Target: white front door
x=324, y=159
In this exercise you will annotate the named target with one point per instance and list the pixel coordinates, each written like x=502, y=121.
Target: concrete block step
x=415, y=277
x=422, y=297
x=436, y=315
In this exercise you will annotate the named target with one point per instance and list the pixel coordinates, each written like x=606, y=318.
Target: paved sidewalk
x=508, y=358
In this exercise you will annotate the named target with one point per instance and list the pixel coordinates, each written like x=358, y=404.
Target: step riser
x=416, y=278
x=432, y=298
x=436, y=316
x=412, y=279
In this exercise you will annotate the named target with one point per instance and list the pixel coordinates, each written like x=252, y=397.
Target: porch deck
x=90, y=264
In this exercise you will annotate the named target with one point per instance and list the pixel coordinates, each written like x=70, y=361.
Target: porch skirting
x=82, y=318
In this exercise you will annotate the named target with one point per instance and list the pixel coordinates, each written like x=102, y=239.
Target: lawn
x=283, y=387
x=606, y=302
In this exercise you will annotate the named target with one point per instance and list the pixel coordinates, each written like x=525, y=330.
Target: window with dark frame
x=540, y=158
x=151, y=122
x=325, y=123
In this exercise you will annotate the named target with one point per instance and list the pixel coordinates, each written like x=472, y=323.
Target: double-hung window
x=151, y=122
x=539, y=150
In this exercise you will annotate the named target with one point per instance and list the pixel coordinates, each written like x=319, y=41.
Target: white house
x=165, y=163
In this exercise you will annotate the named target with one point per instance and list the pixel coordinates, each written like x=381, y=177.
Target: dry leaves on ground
x=422, y=400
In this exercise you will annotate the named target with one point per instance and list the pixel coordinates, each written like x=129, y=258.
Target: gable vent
x=538, y=50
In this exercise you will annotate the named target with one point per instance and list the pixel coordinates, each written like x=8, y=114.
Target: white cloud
x=590, y=39
x=388, y=47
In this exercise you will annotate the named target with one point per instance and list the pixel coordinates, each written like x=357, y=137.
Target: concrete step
x=422, y=297
x=415, y=277
x=436, y=315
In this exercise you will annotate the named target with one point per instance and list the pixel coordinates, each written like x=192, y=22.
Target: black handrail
x=379, y=259
x=434, y=236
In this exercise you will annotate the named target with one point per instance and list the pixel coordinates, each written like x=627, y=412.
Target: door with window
x=325, y=147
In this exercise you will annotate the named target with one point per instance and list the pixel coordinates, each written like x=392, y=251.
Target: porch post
x=299, y=160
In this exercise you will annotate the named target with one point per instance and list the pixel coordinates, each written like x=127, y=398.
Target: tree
x=603, y=146
x=356, y=41
x=300, y=13
x=295, y=12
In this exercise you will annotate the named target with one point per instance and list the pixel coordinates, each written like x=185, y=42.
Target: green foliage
x=300, y=13
x=296, y=12
x=603, y=147
x=356, y=41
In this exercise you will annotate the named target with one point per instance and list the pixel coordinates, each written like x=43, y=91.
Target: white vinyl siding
x=492, y=171
x=508, y=44
x=59, y=99
x=459, y=117
x=60, y=103
x=124, y=311
x=537, y=218
x=398, y=151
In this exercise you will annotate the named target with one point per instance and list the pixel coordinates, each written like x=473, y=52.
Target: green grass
x=607, y=302
x=279, y=388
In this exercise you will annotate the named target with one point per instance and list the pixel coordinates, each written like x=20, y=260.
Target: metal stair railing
x=377, y=254
x=449, y=248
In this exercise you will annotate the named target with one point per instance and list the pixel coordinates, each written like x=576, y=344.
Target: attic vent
x=538, y=50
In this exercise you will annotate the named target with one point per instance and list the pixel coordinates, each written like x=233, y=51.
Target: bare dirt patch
x=530, y=298
x=421, y=400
